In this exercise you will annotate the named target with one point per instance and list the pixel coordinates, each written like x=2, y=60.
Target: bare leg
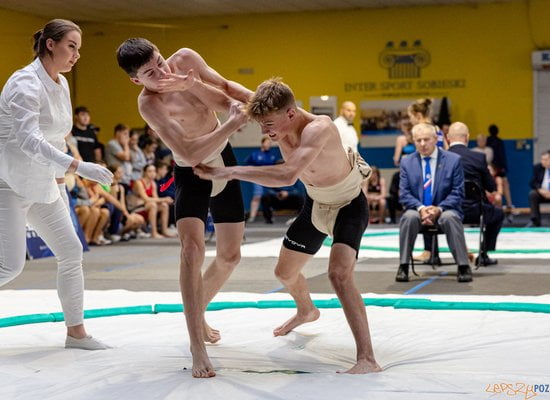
x=191, y=233
x=164, y=216
x=288, y=271
x=382, y=210
x=340, y=271
x=91, y=222
x=228, y=255
x=254, y=206
x=152, y=214
x=101, y=223
x=506, y=190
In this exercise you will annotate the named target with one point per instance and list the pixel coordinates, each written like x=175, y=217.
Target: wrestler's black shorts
x=193, y=195
x=351, y=222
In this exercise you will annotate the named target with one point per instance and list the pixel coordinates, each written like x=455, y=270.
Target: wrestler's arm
x=187, y=58
x=193, y=151
x=211, y=96
x=314, y=138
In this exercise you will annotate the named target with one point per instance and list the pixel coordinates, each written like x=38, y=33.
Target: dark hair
x=134, y=53
x=147, y=141
x=56, y=30
x=546, y=153
x=121, y=127
x=422, y=106
x=80, y=109
x=271, y=96
x=493, y=130
x=113, y=167
x=161, y=164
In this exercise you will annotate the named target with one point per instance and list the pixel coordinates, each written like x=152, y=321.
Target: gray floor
x=153, y=265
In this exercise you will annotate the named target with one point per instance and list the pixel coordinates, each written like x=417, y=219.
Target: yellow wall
x=16, y=32
x=488, y=46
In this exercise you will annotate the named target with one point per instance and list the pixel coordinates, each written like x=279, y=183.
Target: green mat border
x=328, y=241
x=397, y=303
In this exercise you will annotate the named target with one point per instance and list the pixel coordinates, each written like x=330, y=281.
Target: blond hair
x=270, y=96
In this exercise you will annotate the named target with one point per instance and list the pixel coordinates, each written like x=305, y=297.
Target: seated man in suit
x=540, y=185
x=476, y=169
x=282, y=198
x=431, y=190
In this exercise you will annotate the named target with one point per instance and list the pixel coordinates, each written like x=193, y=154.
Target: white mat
x=425, y=354
x=384, y=243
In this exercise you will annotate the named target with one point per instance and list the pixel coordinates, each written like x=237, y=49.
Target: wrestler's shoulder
x=321, y=123
x=184, y=55
x=149, y=101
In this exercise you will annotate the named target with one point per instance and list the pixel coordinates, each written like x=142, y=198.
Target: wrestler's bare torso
x=184, y=107
x=331, y=165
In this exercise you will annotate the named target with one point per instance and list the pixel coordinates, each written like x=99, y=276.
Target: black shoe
x=532, y=224
x=269, y=221
x=464, y=273
x=485, y=261
x=402, y=273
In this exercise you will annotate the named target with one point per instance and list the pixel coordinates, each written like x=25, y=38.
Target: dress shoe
x=424, y=257
x=485, y=261
x=402, y=273
x=532, y=224
x=464, y=273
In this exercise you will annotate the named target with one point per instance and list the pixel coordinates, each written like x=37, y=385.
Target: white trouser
x=53, y=224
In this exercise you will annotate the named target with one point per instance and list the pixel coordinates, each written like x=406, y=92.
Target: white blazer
x=35, y=117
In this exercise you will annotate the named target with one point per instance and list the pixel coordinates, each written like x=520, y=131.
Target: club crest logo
x=404, y=61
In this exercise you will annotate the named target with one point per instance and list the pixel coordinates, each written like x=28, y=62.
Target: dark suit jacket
x=538, y=176
x=475, y=167
x=448, y=190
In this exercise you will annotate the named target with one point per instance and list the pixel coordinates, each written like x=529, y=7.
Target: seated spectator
x=495, y=197
x=164, y=174
x=393, y=198
x=149, y=151
x=163, y=153
x=137, y=158
x=483, y=148
x=540, y=188
x=376, y=196
x=263, y=156
x=85, y=133
x=476, y=170
x=99, y=215
x=404, y=144
x=154, y=207
x=431, y=190
x=283, y=198
x=122, y=222
x=117, y=152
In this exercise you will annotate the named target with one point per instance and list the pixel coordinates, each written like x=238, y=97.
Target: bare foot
x=157, y=236
x=169, y=235
x=211, y=335
x=202, y=368
x=362, y=367
x=295, y=321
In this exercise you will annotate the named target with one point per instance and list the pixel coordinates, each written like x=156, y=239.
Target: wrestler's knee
x=339, y=274
x=285, y=274
x=192, y=251
x=229, y=259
